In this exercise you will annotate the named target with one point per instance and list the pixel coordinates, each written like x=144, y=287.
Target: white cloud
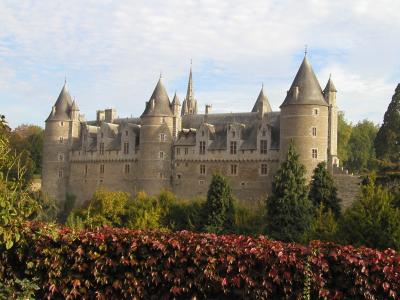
x=112, y=52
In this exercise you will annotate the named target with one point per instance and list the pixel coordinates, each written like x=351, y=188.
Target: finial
x=305, y=50
x=160, y=74
x=262, y=85
x=330, y=75
x=191, y=62
x=65, y=79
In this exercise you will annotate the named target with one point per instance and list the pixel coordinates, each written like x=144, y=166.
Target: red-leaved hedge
x=111, y=263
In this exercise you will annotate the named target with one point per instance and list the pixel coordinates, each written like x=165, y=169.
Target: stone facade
x=174, y=147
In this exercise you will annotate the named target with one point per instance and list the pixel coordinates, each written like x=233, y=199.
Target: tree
x=372, y=220
x=387, y=141
x=219, y=211
x=344, y=133
x=289, y=211
x=361, y=147
x=324, y=226
x=323, y=190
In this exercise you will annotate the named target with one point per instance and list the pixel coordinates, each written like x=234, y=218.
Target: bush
x=111, y=263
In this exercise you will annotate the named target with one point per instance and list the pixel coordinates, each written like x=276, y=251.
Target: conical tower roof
x=62, y=106
x=161, y=105
x=305, y=88
x=330, y=87
x=189, y=92
x=74, y=106
x=262, y=103
x=176, y=101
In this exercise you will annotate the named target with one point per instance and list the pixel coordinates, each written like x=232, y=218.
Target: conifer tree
x=289, y=211
x=324, y=226
x=323, y=190
x=219, y=208
x=387, y=141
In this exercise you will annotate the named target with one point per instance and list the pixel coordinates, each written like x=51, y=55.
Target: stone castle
x=173, y=146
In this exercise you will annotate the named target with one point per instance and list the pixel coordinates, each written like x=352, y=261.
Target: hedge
x=111, y=263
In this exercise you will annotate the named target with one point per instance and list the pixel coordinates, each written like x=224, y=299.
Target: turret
x=156, y=138
x=262, y=105
x=189, y=106
x=58, y=137
x=304, y=119
x=330, y=97
x=176, y=110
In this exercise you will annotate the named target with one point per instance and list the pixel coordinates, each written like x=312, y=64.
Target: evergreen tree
x=387, y=141
x=324, y=226
x=289, y=211
x=323, y=190
x=344, y=133
x=219, y=210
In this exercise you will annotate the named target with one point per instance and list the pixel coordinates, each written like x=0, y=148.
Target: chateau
x=174, y=146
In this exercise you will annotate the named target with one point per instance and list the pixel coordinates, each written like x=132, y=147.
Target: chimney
x=110, y=114
x=100, y=115
x=208, y=108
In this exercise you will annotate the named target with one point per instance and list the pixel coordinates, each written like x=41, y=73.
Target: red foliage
x=111, y=263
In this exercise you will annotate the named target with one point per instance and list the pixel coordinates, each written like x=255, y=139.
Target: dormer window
x=62, y=124
x=162, y=137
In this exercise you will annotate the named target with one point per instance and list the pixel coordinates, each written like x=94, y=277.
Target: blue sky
x=112, y=53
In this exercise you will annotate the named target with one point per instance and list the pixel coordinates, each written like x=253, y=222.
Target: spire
x=189, y=92
x=176, y=101
x=74, y=106
x=190, y=103
x=305, y=88
x=262, y=104
x=62, y=106
x=159, y=104
x=330, y=87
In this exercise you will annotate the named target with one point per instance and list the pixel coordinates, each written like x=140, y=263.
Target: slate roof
x=262, y=103
x=330, y=87
x=62, y=107
x=159, y=104
x=305, y=88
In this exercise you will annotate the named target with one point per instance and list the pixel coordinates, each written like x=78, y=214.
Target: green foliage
x=387, y=142
x=19, y=289
x=323, y=190
x=344, y=133
x=289, y=211
x=372, y=220
x=185, y=215
x=324, y=226
x=249, y=219
x=361, y=152
x=219, y=210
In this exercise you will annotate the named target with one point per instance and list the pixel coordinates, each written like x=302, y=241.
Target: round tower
x=156, y=138
x=304, y=119
x=61, y=131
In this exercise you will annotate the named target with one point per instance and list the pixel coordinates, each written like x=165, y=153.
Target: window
x=60, y=173
x=233, y=134
x=61, y=157
x=186, y=151
x=162, y=155
x=178, y=176
x=101, y=148
x=316, y=111
x=264, y=169
x=178, y=151
x=314, y=131
x=162, y=121
x=101, y=169
x=126, y=133
x=314, y=153
x=162, y=137
x=264, y=133
x=201, y=182
x=202, y=169
x=126, y=148
x=127, y=168
x=202, y=149
x=161, y=175
x=86, y=169
x=61, y=139
x=233, y=147
x=62, y=124
x=263, y=146
x=233, y=169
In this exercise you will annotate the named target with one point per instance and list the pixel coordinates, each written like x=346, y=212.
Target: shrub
x=112, y=263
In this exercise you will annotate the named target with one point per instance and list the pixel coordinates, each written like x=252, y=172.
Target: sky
x=112, y=53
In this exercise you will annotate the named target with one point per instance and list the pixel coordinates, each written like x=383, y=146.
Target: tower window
x=233, y=169
x=161, y=155
x=60, y=173
x=178, y=151
x=233, y=148
x=62, y=124
x=61, y=139
x=314, y=153
x=127, y=168
x=126, y=148
x=101, y=148
x=314, y=131
x=202, y=149
x=203, y=169
x=316, y=111
x=263, y=146
x=264, y=169
x=102, y=169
